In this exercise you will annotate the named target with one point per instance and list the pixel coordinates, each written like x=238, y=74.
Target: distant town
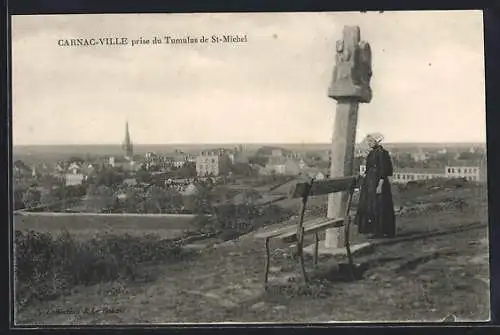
x=98, y=182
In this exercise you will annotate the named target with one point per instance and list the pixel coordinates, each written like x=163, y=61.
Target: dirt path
x=422, y=279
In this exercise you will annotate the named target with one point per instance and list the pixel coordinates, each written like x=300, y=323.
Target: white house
x=74, y=175
x=179, y=163
x=302, y=164
x=283, y=166
x=472, y=173
x=74, y=178
x=402, y=176
x=276, y=152
x=420, y=156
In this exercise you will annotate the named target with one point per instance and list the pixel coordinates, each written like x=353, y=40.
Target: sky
x=428, y=78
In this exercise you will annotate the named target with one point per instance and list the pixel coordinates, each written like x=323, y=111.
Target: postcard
x=250, y=168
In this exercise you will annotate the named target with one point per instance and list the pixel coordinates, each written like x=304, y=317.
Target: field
x=438, y=266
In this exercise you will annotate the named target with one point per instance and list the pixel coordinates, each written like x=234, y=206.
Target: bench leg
x=348, y=247
x=268, y=260
x=300, y=247
x=316, y=245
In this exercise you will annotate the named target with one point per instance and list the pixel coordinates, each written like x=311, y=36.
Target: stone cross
x=350, y=86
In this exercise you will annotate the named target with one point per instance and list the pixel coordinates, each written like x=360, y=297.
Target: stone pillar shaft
x=342, y=150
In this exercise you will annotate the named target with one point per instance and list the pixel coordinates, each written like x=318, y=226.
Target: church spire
x=127, y=143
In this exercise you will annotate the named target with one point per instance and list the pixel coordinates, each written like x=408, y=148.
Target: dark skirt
x=375, y=214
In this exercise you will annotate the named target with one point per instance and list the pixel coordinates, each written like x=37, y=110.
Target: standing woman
x=375, y=214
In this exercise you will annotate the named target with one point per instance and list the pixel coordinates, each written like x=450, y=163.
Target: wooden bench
x=296, y=234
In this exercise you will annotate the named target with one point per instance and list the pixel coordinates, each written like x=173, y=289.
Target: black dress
x=375, y=214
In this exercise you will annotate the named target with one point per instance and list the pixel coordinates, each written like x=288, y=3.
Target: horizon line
x=251, y=143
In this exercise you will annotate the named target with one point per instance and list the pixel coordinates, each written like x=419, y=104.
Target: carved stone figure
x=353, y=69
x=364, y=65
x=344, y=62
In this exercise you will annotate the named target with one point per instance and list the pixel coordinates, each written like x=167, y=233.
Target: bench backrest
x=321, y=187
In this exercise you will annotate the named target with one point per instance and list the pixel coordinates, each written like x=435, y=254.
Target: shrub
x=230, y=221
x=31, y=197
x=46, y=267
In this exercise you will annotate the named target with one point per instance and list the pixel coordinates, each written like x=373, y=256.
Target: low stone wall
x=87, y=223
x=167, y=215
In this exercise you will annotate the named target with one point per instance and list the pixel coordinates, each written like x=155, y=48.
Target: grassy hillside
x=425, y=276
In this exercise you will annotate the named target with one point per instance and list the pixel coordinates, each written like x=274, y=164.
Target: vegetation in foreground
x=47, y=266
x=423, y=279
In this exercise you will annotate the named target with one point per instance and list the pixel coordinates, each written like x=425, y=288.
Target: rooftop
x=467, y=163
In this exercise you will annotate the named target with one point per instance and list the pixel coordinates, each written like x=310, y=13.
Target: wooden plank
x=321, y=187
x=270, y=200
x=309, y=228
x=289, y=228
x=275, y=232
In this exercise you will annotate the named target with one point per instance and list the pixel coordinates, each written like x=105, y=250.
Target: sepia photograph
x=315, y=167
